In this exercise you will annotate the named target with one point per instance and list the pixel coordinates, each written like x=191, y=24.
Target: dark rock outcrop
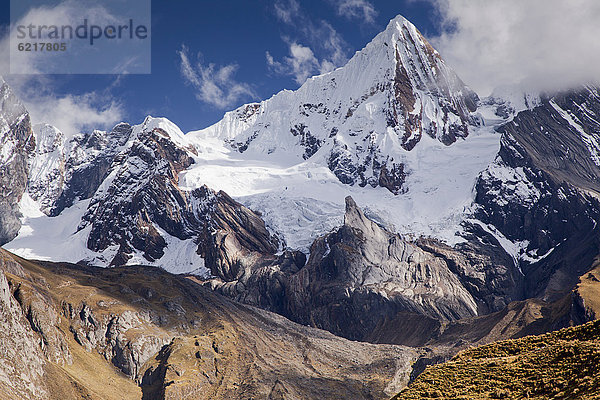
x=143, y=192
x=542, y=191
x=356, y=277
x=17, y=144
x=85, y=176
x=233, y=237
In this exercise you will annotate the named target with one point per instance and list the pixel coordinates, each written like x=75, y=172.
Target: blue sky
x=236, y=51
x=209, y=57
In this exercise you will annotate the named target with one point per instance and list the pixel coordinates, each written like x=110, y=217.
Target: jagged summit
x=362, y=118
x=355, y=218
x=381, y=129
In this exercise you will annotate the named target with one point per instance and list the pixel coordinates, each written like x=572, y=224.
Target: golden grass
x=559, y=365
x=589, y=290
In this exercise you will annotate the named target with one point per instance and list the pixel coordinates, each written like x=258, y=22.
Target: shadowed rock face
x=17, y=144
x=362, y=273
x=542, y=191
x=356, y=277
x=365, y=283
x=66, y=170
x=84, y=177
x=143, y=191
x=233, y=238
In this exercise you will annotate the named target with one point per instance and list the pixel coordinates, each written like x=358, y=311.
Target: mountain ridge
x=378, y=201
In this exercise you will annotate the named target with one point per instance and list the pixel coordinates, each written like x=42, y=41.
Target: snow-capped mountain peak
x=170, y=129
x=382, y=129
x=362, y=118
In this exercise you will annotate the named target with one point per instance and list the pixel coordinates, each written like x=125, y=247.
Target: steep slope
x=560, y=365
x=16, y=146
x=393, y=121
x=359, y=117
x=540, y=197
x=139, y=332
x=361, y=276
x=81, y=332
x=66, y=170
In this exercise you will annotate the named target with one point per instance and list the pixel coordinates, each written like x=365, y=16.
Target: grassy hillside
x=560, y=365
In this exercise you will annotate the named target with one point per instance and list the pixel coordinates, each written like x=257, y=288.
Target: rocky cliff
x=540, y=196
x=17, y=145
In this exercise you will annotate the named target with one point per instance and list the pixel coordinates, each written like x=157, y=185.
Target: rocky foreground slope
x=72, y=332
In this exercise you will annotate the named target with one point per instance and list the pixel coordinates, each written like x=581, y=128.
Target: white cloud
x=543, y=44
x=301, y=64
x=69, y=113
x=333, y=44
x=72, y=114
x=214, y=85
x=357, y=9
x=325, y=49
x=287, y=11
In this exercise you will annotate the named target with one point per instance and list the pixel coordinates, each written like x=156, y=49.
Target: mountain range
x=383, y=202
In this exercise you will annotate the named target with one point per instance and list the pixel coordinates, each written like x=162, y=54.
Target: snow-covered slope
x=76, y=206
x=358, y=120
x=305, y=200
x=395, y=129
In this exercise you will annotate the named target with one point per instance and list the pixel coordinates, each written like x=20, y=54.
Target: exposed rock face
x=141, y=191
x=364, y=283
x=356, y=277
x=16, y=146
x=361, y=273
x=136, y=208
x=233, y=238
x=358, y=121
x=141, y=206
x=533, y=231
x=541, y=194
x=66, y=170
x=483, y=267
x=21, y=375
